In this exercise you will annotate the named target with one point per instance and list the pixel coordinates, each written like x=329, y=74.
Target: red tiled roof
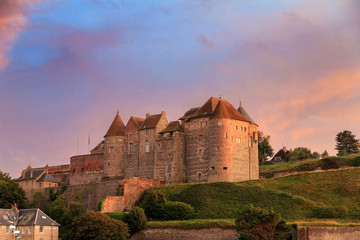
x=151, y=121
x=215, y=107
x=173, y=127
x=225, y=110
x=138, y=121
x=116, y=128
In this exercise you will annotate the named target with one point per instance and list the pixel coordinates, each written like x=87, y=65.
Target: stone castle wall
x=86, y=168
x=170, y=158
x=114, y=156
x=132, y=157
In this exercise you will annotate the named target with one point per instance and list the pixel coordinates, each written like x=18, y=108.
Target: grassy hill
x=325, y=195
x=310, y=165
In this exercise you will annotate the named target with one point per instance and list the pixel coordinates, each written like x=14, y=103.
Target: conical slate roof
x=116, y=128
x=245, y=114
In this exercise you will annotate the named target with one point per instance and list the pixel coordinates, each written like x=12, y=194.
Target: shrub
x=152, y=203
x=256, y=223
x=100, y=204
x=121, y=216
x=136, y=219
x=98, y=226
x=357, y=161
x=177, y=211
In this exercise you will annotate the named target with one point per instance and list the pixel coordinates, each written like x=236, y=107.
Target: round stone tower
x=115, y=148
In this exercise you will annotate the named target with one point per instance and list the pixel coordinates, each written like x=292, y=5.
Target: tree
x=57, y=208
x=264, y=147
x=70, y=215
x=316, y=155
x=39, y=201
x=11, y=193
x=153, y=203
x=256, y=223
x=299, y=153
x=346, y=143
x=324, y=154
x=136, y=219
x=98, y=226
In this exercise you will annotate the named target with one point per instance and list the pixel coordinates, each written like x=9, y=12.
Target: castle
x=214, y=142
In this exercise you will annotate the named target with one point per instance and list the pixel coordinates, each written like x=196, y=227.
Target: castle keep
x=213, y=142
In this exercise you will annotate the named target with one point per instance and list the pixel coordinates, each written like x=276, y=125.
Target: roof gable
x=116, y=128
x=173, y=127
x=134, y=123
x=151, y=121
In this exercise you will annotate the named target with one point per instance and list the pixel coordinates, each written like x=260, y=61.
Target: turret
x=114, y=148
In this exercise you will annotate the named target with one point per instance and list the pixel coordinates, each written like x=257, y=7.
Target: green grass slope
x=310, y=165
x=325, y=195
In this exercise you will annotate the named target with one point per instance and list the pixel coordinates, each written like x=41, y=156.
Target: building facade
x=214, y=142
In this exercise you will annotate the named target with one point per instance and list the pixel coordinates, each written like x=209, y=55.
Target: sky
x=67, y=66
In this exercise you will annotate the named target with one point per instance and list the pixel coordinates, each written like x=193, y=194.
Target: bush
x=256, y=223
x=121, y=216
x=98, y=226
x=177, y=211
x=357, y=162
x=136, y=220
x=152, y=204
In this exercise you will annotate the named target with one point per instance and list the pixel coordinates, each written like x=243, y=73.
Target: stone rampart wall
x=328, y=233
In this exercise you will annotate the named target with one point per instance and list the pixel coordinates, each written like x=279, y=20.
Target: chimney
x=148, y=115
x=163, y=113
x=31, y=173
x=14, y=208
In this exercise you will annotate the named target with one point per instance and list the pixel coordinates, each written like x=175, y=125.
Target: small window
x=219, y=122
x=147, y=132
x=108, y=164
x=241, y=128
x=194, y=125
x=131, y=145
x=97, y=167
x=130, y=136
x=200, y=151
x=82, y=169
x=245, y=129
x=212, y=168
x=226, y=135
x=147, y=146
x=225, y=168
x=206, y=124
x=41, y=229
x=236, y=128
x=90, y=168
x=39, y=184
x=218, y=148
x=201, y=124
x=111, y=150
x=201, y=138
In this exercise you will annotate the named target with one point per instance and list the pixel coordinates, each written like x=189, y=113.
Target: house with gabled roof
x=27, y=224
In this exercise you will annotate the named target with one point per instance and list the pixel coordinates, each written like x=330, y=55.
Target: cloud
x=204, y=41
x=12, y=20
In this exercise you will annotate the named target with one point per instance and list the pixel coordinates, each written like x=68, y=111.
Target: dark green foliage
x=177, y=211
x=11, y=193
x=357, y=162
x=57, y=208
x=316, y=155
x=117, y=216
x=136, y=220
x=255, y=223
x=70, y=215
x=299, y=153
x=324, y=154
x=100, y=204
x=346, y=143
x=98, y=226
x=264, y=147
x=120, y=190
x=327, y=212
x=39, y=201
x=152, y=203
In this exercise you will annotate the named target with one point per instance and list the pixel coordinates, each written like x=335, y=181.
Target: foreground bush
x=153, y=203
x=255, y=223
x=98, y=226
x=136, y=219
x=177, y=211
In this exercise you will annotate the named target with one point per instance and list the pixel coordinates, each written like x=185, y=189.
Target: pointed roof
x=225, y=110
x=138, y=121
x=99, y=147
x=173, y=127
x=116, y=128
x=215, y=107
x=47, y=178
x=150, y=121
x=241, y=110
